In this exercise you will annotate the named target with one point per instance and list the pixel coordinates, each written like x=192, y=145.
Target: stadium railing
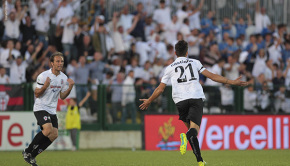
x=106, y=113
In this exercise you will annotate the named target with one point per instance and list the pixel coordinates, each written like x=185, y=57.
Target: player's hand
x=146, y=103
x=239, y=82
x=70, y=82
x=47, y=82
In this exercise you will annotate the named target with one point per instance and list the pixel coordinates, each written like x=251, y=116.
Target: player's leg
x=193, y=141
x=182, y=108
x=37, y=143
x=194, y=117
x=43, y=120
x=187, y=125
x=52, y=132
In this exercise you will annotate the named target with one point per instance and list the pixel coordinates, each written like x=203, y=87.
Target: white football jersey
x=184, y=76
x=48, y=100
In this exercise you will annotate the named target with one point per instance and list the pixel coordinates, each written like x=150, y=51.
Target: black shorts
x=190, y=110
x=44, y=117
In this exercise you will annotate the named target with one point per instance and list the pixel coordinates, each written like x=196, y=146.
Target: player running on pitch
x=51, y=84
x=187, y=93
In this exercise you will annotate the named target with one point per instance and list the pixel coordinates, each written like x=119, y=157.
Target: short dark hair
x=181, y=48
x=54, y=55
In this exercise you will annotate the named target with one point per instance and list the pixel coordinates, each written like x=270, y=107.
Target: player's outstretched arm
x=64, y=94
x=146, y=102
x=39, y=91
x=224, y=80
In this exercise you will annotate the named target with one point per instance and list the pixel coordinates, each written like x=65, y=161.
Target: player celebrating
x=50, y=84
x=187, y=94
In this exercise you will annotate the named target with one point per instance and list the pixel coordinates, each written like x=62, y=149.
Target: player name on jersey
x=180, y=62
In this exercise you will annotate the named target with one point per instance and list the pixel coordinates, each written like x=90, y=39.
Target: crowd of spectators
x=134, y=49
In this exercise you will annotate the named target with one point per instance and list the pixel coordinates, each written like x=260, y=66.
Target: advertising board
x=217, y=132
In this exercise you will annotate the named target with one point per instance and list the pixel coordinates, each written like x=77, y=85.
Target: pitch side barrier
x=220, y=132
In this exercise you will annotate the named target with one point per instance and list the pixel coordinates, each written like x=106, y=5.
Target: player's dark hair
x=181, y=48
x=54, y=55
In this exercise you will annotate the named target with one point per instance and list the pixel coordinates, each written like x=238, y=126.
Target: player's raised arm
x=224, y=80
x=146, y=102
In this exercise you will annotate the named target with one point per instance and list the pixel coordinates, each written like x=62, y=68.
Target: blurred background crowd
x=127, y=44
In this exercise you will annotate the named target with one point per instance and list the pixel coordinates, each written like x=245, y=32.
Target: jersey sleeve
x=40, y=81
x=200, y=67
x=166, y=77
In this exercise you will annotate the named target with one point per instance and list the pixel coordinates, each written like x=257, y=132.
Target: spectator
x=128, y=98
x=232, y=68
x=280, y=104
x=33, y=9
x=223, y=46
x=262, y=20
x=185, y=13
x=159, y=49
x=8, y=54
x=143, y=49
x=206, y=23
x=211, y=56
x=126, y=19
x=133, y=53
x=42, y=26
x=260, y=63
x=162, y=14
x=227, y=98
x=231, y=47
x=12, y=24
x=139, y=31
x=194, y=20
x=4, y=78
x=99, y=8
x=184, y=28
x=263, y=98
x=84, y=45
x=279, y=80
x=241, y=26
x=117, y=91
x=194, y=41
x=269, y=73
x=286, y=52
x=70, y=70
x=226, y=26
x=99, y=35
x=120, y=37
x=252, y=48
x=135, y=67
x=64, y=11
x=157, y=67
x=250, y=99
x=81, y=78
x=28, y=31
x=18, y=70
x=70, y=28
x=171, y=30
x=97, y=67
x=147, y=72
x=150, y=27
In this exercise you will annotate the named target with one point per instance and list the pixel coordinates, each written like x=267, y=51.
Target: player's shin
x=193, y=141
x=37, y=140
x=41, y=147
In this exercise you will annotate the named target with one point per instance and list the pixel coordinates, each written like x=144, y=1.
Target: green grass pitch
x=118, y=157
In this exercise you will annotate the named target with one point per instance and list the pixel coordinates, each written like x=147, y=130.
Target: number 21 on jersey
x=182, y=78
